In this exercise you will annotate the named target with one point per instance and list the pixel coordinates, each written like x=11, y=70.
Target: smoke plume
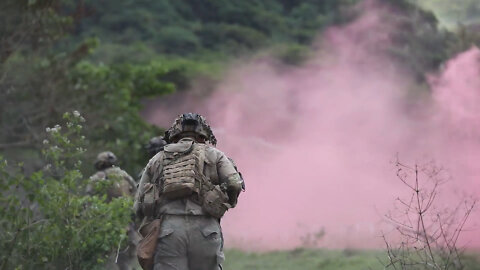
x=316, y=143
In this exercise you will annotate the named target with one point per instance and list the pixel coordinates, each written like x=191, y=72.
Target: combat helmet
x=190, y=123
x=104, y=160
x=155, y=145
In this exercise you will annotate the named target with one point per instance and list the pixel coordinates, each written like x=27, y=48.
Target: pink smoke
x=316, y=143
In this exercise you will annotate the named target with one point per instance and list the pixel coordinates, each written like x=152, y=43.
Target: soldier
x=155, y=145
x=116, y=183
x=122, y=184
x=188, y=186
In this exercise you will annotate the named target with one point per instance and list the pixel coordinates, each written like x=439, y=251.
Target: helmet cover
x=190, y=123
x=104, y=160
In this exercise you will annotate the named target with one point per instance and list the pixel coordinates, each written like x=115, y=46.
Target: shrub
x=47, y=220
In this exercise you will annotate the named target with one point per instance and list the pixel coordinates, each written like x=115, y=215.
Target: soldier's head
x=155, y=145
x=105, y=160
x=190, y=125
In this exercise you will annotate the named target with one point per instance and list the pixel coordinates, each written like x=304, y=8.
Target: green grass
x=304, y=259
x=319, y=259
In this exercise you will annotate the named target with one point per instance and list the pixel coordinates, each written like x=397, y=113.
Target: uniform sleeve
x=90, y=189
x=230, y=176
x=132, y=183
x=146, y=177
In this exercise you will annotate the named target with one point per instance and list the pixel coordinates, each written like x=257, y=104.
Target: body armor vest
x=183, y=170
x=181, y=176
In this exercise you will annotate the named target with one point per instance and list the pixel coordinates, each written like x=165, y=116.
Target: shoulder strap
x=202, y=158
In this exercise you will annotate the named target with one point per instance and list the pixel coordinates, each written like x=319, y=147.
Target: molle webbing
x=182, y=173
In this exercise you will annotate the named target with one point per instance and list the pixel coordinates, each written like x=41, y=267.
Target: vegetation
x=428, y=233
x=454, y=13
x=314, y=259
x=102, y=59
x=47, y=220
x=192, y=27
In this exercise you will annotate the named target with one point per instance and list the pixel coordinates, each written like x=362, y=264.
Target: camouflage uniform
x=153, y=146
x=118, y=183
x=122, y=184
x=190, y=238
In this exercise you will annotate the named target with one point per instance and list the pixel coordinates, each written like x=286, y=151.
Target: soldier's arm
x=145, y=179
x=131, y=182
x=230, y=176
x=239, y=173
x=90, y=189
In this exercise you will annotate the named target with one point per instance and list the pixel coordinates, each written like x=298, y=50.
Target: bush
x=46, y=218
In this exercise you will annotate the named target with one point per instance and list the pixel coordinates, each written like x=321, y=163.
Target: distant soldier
x=155, y=145
x=119, y=183
x=184, y=192
x=116, y=183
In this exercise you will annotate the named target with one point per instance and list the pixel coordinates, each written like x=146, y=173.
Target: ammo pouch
x=215, y=202
x=149, y=199
x=146, y=247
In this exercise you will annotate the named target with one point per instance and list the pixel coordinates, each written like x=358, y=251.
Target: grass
x=319, y=259
x=304, y=259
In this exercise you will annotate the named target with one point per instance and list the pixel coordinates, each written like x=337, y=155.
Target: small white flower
x=48, y=129
x=82, y=119
x=45, y=141
x=76, y=113
x=58, y=127
x=47, y=167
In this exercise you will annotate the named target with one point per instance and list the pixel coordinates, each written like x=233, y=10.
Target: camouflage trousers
x=189, y=243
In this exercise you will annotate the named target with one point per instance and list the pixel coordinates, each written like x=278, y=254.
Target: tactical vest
x=183, y=170
x=181, y=176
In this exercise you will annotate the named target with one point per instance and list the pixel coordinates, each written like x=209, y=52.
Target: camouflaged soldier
x=155, y=145
x=189, y=185
x=120, y=183
x=116, y=183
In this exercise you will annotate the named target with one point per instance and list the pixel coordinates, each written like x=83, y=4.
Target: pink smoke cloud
x=316, y=143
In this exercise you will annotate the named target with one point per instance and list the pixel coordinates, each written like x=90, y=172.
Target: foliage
x=46, y=219
x=39, y=80
x=104, y=57
x=292, y=54
x=419, y=43
x=29, y=25
x=452, y=13
x=191, y=27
